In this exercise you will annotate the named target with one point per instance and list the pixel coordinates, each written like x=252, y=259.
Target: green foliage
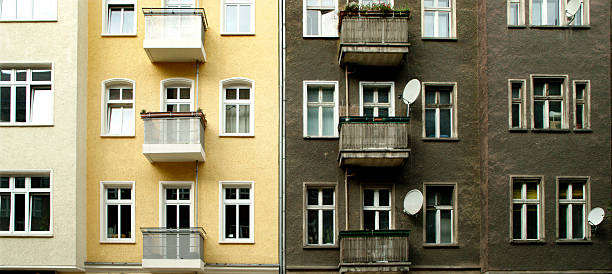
x=143, y=111
x=355, y=7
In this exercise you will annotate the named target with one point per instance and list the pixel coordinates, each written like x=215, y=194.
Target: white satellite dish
x=411, y=93
x=572, y=8
x=413, y=202
x=596, y=216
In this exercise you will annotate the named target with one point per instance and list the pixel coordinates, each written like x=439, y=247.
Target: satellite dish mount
x=410, y=94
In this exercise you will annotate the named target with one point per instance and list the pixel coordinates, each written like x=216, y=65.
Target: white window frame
x=390, y=105
x=320, y=207
x=28, y=83
x=176, y=83
x=452, y=32
x=564, y=101
x=521, y=12
x=163, y=185
x=585, y=101
x=544, y=14
x=239, y=3
x=585, y=202
x=106, y=14
x=454, y=110
x=27, y=190
x=522, y=102
x=306, y=8
x=222, y=202
x=320, y=104
x=53, y=18
x=377, y=207
x=104, y=185
x=452, y=208
x=237, y=82
x=178, y=4
x=105, y=87
x=524, y=202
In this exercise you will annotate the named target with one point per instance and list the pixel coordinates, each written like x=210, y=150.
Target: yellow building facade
x=182, y=136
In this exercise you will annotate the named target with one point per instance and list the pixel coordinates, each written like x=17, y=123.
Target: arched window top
x=177, y=82
x=237, y=81
x=113, y=82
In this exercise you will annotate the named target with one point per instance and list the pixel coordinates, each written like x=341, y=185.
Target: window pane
x=230, y=118
x=45, y=9
x=516, y=115
x=516, y=221
x=554, y=88
x=185, y=93
x=311, y=3
x=578, y=221
x=171, y=216
x=231, y=18
x=516, y=90
x=230, y=94
x=443, y=24
x=577, y=191
x=428, y=3
x=383, y=95
x=328, y=121
x=369, y=219
x=171, y=193
x=230, y=221
x=126, y=221
x=430, y=97
x=368, y=112
x=244, y=118
x=368, y=197
x=553, y=13
x=171, y=93
x=516, y=190
x=41, y=75
x=443, y=3
x=5, y=211
x=128, y=20
x=312, y=94
x=24, y=9
x=445, y=123
x=312, y=22
x=8, y=8
x=41, y=108
x=125, y=193
x=112, y=221
x=184, y=107
x=184, y=216
x=22, y=75
x=383, y=197
x=328, y=94
x=514, y=13
x=5, y=75
x=536, y=12
x=538, y=115
x=112, y=194
x=579, y=116
x=245, y=18
x=383, y=112
x=244, y=94
x=563, y=188
x=580, y=91
x=445, y=97
x=115, y=94
x=445, y=226
x=19, y=182
x=430, y=226
x=5, y=104
x=230, y=193
x=532, y=191
x=538, y=87
x=20, y=115
x=244, y=193
x=313, y=227
x=328, y=226
x=114, y=20
x=445, y=195
x=532, y=221
x=328, y=196
x=244, y=221
x=313, y=197
x=368, y=95
x=4, y=182
x=39, y=182
x=313, y=121
x=127, y=126
x=563, y=221
x=554, y=115
x=115, y=120
x=430, y=123
x=184, y=194
x=383, y=220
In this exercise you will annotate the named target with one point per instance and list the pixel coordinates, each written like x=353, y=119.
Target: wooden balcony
x=373, y=38
x=373, y=142
x=374, y=251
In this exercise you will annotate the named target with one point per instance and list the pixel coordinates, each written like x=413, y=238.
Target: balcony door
x=179, y=4
x=177, y=213
x=178, y=99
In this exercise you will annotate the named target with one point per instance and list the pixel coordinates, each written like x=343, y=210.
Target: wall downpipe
x=197, y=82
x=195, y=191
x=346, y=89
x=281, y=135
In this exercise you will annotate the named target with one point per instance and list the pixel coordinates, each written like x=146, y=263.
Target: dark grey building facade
x=508, y=139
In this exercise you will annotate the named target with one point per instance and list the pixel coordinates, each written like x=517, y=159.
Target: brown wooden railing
x=375, y=246
x=373, y=29
x=360, y=133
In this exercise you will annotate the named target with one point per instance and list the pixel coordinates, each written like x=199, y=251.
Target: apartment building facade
x=508, y=140
x=43, y=118
x=182, y=137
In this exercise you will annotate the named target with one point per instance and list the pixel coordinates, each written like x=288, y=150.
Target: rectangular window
x=179, y=4
x=439, y=107
x=526, y=208
x=120, y=110
x=439, y=214
x=547, y=12
x=237, y=110
x=548, y=103
x=582, y=109
x=438, y=18
x=320, y=18
x=581, y=17
x=320, y=109
x=26, y=96
x=377, y=209
x=516, y=94
x=237, y=212
x=238, y=17
x=516, y=12
x=25, y=204
x=118, y=212
x=377, y=99
x=28, y=10
x=320, y=216
x=119, y=17
x=572, y=208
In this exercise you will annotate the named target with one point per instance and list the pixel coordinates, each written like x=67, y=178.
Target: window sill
x=29, y=21
x=224, y=242
x=26, y=235
x=517, y=26
x=425, y=245
x=117, y=136
x=441, y=39
x=237, y=135
x=237, y=34
x=548, y=27
x=528, y=242
x=320, y=37
x=580, y=27
x=320, y=137
x=320, y=247
x=118, y=34
x=131, y=241
x=563, y=130
x=430, y=139
x=518, y=130
x=583, y=130
x=24, y=125
x=573, y=242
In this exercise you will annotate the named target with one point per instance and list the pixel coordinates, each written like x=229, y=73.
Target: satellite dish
x=596, y=216
x=413, y=202
x=411, y=91
x=572, y=8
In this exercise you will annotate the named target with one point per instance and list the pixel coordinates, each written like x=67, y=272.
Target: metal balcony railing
x=174, y=128
x=172, y=243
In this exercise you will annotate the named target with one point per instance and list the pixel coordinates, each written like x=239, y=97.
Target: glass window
x=119, y=110
x=439, y=214
x=177, y=207
x=321, y=18
x=572, y=209
x=377, y=209
x=582, y=107
x=546, y=12
x=118, y=203
x=548, y=110
x=178, y=98
x=439, y=19
x=120, y=19
x=320, y=214
x=26, y=96
x=24, y=10
x=526, y=209
x=321, y=110
x=377, y=100
x=237, y=109
x=238, y=16
x=237, y=212
x=439, y=107
x=25, y=204
x=517, y=103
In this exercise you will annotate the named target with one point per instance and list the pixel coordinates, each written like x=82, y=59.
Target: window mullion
x=320, y=226
x=438, y=227
x=13, y=109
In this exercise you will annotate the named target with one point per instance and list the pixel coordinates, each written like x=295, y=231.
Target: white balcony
x=173, y=249
x=174, y=136
x=174, y=35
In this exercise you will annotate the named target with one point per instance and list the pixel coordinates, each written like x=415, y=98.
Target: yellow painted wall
x=227, y=158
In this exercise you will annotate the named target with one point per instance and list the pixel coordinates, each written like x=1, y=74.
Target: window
x=321, y=109
x=26, y=96
x=119, y=17
x=438, y=18
x=548, y=103
x=377, y=209
x=439, y=214
x=238, y=17
x=377, y=99
x=177, y=95
x=177, y=208
x=546, y=12
x=439, y=111
x=582, y=91
x=179, y=4
x=375, y=2
x=526, y=208
x=572, y=208
x=237, y=107
x=117, y=210
x=320, y=216
x=320, y=18
x=118, y=107
x=516, y=12
x=25, y=204
x=581, y=18
x=237, y=212
x=516, y=96
x=28, y=10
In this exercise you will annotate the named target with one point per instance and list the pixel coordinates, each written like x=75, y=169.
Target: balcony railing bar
x=177, y=12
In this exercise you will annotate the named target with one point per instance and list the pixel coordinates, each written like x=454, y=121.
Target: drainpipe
x=346, y=86
x=197, y=82
x=196, y=195
x=281, y=143
x=346, y=207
